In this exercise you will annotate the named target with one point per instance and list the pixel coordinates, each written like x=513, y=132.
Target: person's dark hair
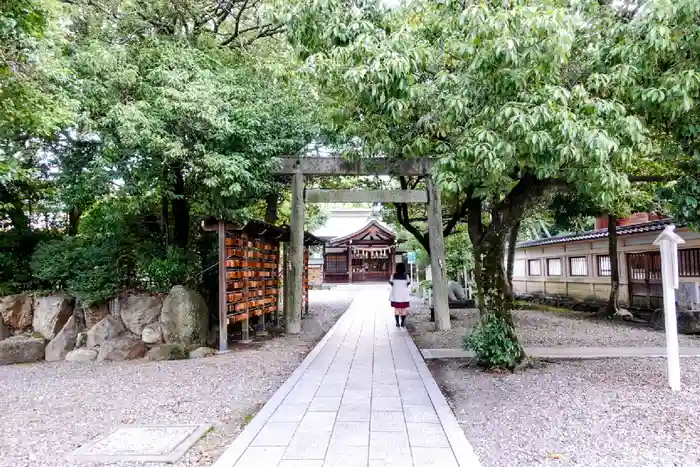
x=400, y=271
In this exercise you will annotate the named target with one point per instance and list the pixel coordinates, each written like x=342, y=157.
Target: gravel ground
x=545, y=329
x=598, y=413
x=50, y=409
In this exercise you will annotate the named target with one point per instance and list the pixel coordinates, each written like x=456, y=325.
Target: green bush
x=16, y=249
x=495, y=343
x=93, y=270
x=162, y=273
x=426, y=284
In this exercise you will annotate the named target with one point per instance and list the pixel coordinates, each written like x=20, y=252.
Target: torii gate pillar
x=337, y=166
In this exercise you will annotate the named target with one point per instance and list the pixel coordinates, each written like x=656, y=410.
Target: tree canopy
x=123, y=123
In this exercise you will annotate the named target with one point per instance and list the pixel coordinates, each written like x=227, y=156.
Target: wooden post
x=245, y=324
x=223, y=298
x=296, y=255
x=285, y=282
x=350, y=263
x=323, y=267
x=437, y=257
x=392, y=258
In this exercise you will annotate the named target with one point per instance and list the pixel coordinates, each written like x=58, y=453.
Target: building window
x=689, y=263
x=337, y=264
x=578, y=266
x=533, y=267
x=519, y=268
x=554, y=266
x=604, y=268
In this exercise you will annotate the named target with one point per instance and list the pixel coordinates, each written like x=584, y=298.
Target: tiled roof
x=653, y=226
x=347, y=221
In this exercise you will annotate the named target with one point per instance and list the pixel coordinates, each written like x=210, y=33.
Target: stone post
x=296, y=256
x=437, y=256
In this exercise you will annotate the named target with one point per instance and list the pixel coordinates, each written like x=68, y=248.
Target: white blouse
x=400, y=291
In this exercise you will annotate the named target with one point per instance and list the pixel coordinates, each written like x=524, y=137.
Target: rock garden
x=133, y=326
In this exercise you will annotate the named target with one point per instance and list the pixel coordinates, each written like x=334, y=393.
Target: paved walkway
x=362, y=398
x=573, y=353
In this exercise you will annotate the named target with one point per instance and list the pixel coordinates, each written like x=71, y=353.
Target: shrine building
x=358, y=247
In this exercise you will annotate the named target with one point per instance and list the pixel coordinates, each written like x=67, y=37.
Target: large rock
x=202, y=352
x=4, y=330
x=455, y=292
x=109, y=328
x=81, y=340
x=51, y=314
x=21, y=349
x=185, y=317
x=94, y=314
x=16, y=311
x=64, y=342
x=688, y=321
x=153, y=333
x=121, y=348
x=167, y=352
x=138, y=311
x=81, y=355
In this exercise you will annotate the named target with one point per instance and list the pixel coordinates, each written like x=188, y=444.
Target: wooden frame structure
x=249, y=279
x=299, y=167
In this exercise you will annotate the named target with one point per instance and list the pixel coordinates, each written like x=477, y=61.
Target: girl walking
x=400, y=294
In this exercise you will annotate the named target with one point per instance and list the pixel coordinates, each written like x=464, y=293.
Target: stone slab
x=363, y=397
x=146, y=443
x=572, y=353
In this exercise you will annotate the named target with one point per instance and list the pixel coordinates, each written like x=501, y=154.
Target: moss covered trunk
x=494, y=339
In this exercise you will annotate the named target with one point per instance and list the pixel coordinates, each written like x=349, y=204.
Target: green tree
x=497, y=93
x=650, y=60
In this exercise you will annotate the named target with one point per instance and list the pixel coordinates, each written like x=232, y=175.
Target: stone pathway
x=573, y=353
x=362, y=398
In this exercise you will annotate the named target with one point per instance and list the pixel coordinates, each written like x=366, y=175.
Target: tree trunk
x=475, y=229
x=74, y=221
x=494, y=339
x=498, y=295
x=512, y=240
x=405, y=222
x=476, y=251
x=181, y=210
x=271, y=209
x=165, y=226
x=613, y=301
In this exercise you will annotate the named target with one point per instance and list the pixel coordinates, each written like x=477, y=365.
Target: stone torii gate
x=299, y=167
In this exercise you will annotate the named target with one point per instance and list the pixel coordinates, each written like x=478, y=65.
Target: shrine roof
x=345, y=222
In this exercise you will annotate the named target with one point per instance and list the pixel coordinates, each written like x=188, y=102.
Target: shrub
x=494, y=342
x=162, y=273
x=92, y=270
x=16, y=249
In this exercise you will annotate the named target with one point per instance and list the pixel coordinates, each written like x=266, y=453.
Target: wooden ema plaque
x=305, y=281
x=252, y=283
